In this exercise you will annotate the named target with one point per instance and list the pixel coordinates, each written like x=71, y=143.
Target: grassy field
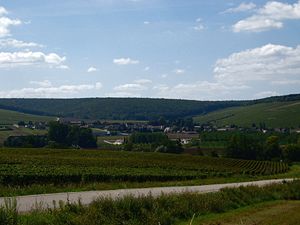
x=274, y=115
x=22, y=131
x=8, y=117
x=29, y=171
x=269, y=213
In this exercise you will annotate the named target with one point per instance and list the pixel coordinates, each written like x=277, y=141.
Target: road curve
x=44, y=201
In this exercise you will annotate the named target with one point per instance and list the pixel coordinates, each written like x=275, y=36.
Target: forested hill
x=123, y=108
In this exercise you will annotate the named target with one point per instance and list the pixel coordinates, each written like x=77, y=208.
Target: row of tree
x=244, y=146
x=154, y=142
x=59, y=136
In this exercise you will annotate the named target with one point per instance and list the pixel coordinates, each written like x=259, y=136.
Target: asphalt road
x=44, y=201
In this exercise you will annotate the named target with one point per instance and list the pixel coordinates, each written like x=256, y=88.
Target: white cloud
x=269, y=62
x=92, y=69
x=6, y=23
x=130, y=88
x=3, y=11
x=28, y=58
x=98, y=85
x=179, y=71
x=123, y=94
x=146, y=22
x=147, y=68
x=241, y=8
x=265, y=94
x=199, y=26
x=286, y=82
x=270, y=16
x=63, y=67
x=125, y=61
x=44, y=83
x=13, y=43
x=134, y=89
x=50, y=91
x=201, y=90
x=143, y=81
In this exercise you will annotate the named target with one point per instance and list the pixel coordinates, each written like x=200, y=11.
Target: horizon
x=160, y=49
x=154, y=98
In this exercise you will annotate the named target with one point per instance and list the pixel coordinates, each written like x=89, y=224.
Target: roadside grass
x=165, y=210
x=267, y=213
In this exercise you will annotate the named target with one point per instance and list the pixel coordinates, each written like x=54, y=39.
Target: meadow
x=31, y=171
x=8, y=117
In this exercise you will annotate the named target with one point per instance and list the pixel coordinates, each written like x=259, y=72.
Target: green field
x=274, y=115
x=269, y=213
x=22, y=131
x=67, y=169
x=8, y=117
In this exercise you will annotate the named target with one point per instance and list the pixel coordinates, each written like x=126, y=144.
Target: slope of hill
x=115, y=108
x=126, y=108
x=273, y=114
x=8, y=117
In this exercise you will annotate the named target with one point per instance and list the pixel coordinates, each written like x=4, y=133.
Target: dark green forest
x=125, y=108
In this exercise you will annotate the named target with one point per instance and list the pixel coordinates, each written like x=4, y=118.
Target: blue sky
x=204, y=50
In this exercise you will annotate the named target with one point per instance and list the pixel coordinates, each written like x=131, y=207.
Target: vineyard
x=40, y=166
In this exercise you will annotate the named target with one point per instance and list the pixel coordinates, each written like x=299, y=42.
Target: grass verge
x=164, y=210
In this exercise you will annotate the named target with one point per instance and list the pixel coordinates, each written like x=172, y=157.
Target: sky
x=201, y=50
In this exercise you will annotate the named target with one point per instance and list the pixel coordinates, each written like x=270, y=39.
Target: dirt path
x=43, y=201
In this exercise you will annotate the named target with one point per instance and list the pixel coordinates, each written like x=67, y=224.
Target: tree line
x=243, y=146
x=59, y=136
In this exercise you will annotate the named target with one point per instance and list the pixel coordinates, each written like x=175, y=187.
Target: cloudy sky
x=204, y=50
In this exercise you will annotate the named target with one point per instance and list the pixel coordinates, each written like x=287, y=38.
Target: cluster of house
x=122, y=129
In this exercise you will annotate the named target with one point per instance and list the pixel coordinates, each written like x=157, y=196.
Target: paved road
x=29, y=202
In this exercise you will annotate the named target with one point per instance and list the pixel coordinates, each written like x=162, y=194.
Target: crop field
x=274, y=115
x=40, y=166
x=8, y=117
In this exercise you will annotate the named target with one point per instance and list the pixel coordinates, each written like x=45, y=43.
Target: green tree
x=59, y=133
x=292, y=152
x=272, y=148
x=67, y=135
x=243, y=146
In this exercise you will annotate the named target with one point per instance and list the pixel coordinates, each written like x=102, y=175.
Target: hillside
x=273, y=114
x=114, y=108
x=126, y=108
x=8, y=117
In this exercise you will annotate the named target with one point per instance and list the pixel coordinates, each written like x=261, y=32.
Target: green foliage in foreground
x=31, y=166
x=164, y=210
x=273, y=115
